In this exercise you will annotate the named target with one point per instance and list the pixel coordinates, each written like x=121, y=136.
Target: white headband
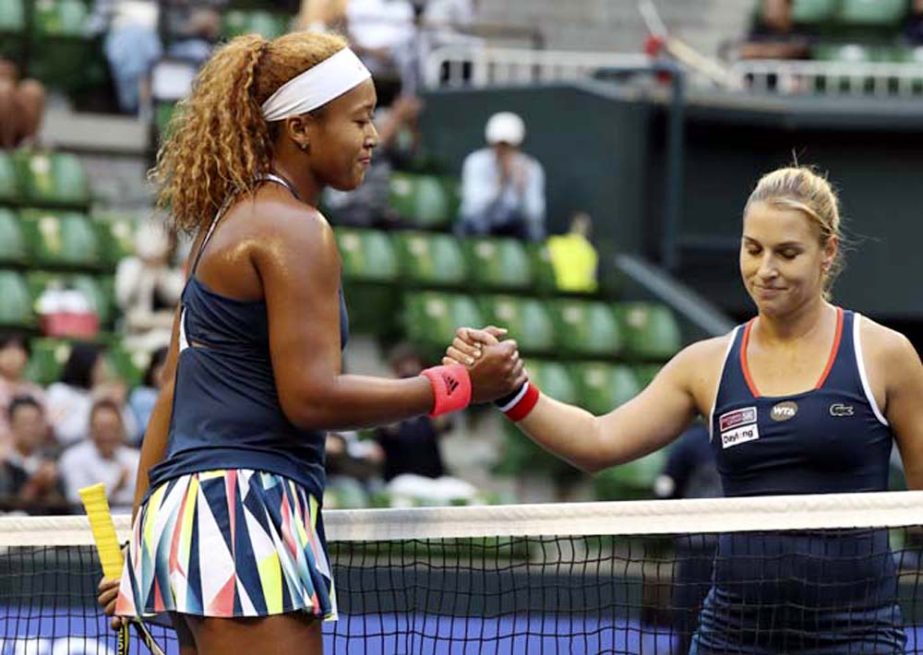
x=316, y=86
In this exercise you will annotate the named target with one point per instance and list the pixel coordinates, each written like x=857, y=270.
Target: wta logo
x=784, y=411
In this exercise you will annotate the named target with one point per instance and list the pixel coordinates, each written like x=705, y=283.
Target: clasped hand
x=494, y=365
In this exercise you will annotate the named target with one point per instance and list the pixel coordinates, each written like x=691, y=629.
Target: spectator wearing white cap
x=503, y=189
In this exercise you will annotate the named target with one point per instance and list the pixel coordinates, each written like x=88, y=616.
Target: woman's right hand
x=495, y=367
x=107, y=594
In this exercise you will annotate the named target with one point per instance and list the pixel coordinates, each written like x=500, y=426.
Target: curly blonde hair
x=218, y=142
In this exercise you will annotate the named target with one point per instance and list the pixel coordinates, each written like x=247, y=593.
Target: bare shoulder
x=882, y=344
x=705, y=354
x=285, y=229
x=696, y=369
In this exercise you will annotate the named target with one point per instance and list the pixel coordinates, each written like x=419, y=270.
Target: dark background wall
x=603, y=151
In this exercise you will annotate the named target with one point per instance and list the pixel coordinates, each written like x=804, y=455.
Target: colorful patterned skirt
x=228, y=543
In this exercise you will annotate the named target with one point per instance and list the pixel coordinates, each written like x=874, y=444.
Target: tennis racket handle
x=107, y=542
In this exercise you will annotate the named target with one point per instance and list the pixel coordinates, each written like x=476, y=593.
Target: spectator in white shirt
x=503, y=189
x=14, y=356
x=104, y=458
x=87, y=377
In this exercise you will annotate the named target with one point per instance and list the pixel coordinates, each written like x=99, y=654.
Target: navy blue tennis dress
x=231, y=524
x=822, y=593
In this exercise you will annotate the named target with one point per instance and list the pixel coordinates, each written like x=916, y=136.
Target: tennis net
x=819, y=574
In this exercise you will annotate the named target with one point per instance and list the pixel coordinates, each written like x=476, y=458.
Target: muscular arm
x=644, y=424
x=300, y=271
x=900, y=364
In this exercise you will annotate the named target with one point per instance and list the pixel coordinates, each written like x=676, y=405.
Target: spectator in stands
x=398, y=138
x=144, y=397
x=774, y=35
x=14, y=355
x=353, y=467
x=411, y=446
x=104, y=458
x=573, y=256
x=87, y=378
x=322, y=15
x=29, y=478
x=22, y=106
x=148, y=287
x=132, y=47
x=503, y=189
x=196, y=36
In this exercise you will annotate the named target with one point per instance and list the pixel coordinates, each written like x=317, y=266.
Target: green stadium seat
x=128, y=365
x=370, y=271
x=15, y=301
x=53, y=179
x=12, y=28
x=543, y=279
x=48, y=359
x=424, y=201
x=813, y=12
x=431, y=260
x=367, y=255
x=498, y=264
x=651, y=330
x=431, y=319
x=603, y=387
x=631, y=481
x=873, y=13
x=13, y=248
x=645, y=373
x=62, y=55
x=264, y=23
x=554, y=379
x=9, y=182
x=527, y=320
x=116, y=236
x=63, y=240
x=586, y=328
x=848, y=52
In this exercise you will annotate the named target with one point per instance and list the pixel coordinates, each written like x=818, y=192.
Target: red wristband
x=521, y=403
x=451, y=388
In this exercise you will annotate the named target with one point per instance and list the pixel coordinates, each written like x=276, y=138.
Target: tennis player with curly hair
x=227, y=532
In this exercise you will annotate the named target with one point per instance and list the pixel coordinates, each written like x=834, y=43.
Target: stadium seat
x=62, y=55
x=603, y=387
x=61, y=240
x=12, y=28
x=423, y=201
x=15, y=301
x=431, y=260
x=370, y=270
x=9, y=182
x=586, y=328
x=813, y=12
x=13, y=249
x=431, y=318
x=554, y=379
x=631, y=481
x=367, y=255
x=873, y=13
x=527, y=320
x=48, y=359
x=543, y=278
x=651, y=330
x=115, y=234
x=128, y=365
x=53, y=179
x=848, y=52
x=264, y=23
x=645, y=373
x=498, y=264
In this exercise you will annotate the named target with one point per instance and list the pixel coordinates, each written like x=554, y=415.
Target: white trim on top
x=183, y=341
x=860, y=364
x=727, y=353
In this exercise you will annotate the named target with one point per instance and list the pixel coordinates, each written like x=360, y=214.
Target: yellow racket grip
x=107, y=542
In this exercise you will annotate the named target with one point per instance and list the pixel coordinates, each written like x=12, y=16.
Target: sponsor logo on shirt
x=839, y=409
x=784, y=411
x=740, y=435
x=736, y=418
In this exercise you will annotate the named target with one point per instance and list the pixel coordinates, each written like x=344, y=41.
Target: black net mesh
x=820, y=591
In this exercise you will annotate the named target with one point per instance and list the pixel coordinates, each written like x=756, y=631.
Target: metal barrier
x=879, y=79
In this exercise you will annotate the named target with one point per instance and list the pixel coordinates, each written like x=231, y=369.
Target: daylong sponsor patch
x=740, y=435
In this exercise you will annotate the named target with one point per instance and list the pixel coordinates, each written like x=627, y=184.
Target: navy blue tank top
x=830, y=439
x=823, y=592
x=226, y=411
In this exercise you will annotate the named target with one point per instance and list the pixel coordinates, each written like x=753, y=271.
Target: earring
x=303, y=146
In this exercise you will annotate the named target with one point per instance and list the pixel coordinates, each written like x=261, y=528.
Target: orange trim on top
x=837, y=337
x=834, y=350
x=743, y=359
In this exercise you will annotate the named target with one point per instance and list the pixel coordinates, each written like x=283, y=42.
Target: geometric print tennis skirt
x=227, y=543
